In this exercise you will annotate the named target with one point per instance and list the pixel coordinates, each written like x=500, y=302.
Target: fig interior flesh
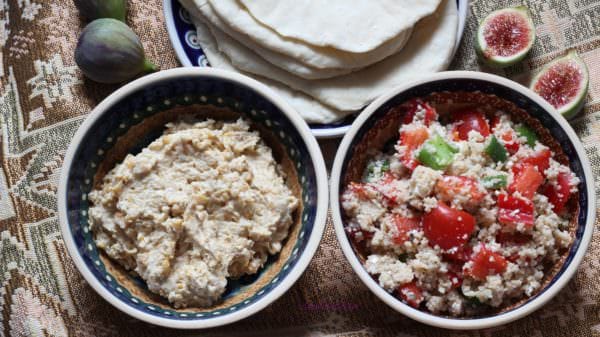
x=563, y=83
x=505, y=36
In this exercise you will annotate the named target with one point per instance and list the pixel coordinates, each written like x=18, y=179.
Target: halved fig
x=505, y=36
x=563, y=83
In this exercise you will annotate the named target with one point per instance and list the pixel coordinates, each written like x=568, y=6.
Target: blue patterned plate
x=182, y=34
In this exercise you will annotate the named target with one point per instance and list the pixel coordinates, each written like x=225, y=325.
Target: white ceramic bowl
x=163, y=91
x=522, y=97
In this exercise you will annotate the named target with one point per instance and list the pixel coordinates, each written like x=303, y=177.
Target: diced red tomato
x=494, y=122
x=411, y=294
x=459, y=255
x=412, y=139
x=513, y=237
x=359, y=190
x=486, y=262
x=404, y=226
x=513, y=211
x=457, y=258
x=527, y=179
x=510, y=142
x=448, y=227
x=514, y=257
x=468, y=120
x=455, y=279
x=455, y=267
x=387, y=187
x=540, y=159
x=415, y=105
x=430, y=114
x=559, y=195
x=450, y=186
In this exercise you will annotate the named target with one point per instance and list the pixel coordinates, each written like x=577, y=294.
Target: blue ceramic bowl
x=378, y=124
x=124, y=118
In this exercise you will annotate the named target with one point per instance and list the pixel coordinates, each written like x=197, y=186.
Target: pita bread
x=428, y=50
x=311, y=110
x=282, y=61
x=239, y=24
x=356, y=26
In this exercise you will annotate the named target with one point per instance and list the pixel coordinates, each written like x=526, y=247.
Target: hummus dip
x=204, y=202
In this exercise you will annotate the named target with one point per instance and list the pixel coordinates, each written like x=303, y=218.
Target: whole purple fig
x=109, y=52
x=97, y=9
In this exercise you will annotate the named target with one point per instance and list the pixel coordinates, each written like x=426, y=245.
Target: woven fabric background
x=44, y=98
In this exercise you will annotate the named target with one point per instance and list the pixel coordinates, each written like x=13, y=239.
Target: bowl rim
x=305, y=256
x=431, y=319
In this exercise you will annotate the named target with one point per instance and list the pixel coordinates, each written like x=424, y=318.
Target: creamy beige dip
x=204, y=202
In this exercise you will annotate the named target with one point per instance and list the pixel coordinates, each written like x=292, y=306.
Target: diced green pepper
x=496, y=150
x=473, y=301
x=436, y=153
x=495, y=182
x=375, y=170
x=526, y=132
x=385, y=166
x=370, y=171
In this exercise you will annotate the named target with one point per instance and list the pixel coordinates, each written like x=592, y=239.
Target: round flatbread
x=429, y=50
x=282, y=61
x=283, y=52
x=356, y=26
x=310, y=109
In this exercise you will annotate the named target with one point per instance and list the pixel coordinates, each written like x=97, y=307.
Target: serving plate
x=182, y=34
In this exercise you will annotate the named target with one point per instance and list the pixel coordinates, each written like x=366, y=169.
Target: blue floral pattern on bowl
x=162, y=96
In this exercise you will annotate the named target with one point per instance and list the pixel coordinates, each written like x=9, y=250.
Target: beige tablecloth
x=44, y=98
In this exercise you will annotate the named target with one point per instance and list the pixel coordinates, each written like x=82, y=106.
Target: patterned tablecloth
x=44, y=98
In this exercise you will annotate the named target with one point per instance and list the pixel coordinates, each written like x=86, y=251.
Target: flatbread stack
x=328, y=58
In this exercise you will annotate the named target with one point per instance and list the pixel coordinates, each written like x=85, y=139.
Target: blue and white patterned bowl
x=376, y=124
x=184, y=40
x=127, y=111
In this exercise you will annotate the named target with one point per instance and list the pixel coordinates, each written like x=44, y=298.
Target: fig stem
x=149, y=67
